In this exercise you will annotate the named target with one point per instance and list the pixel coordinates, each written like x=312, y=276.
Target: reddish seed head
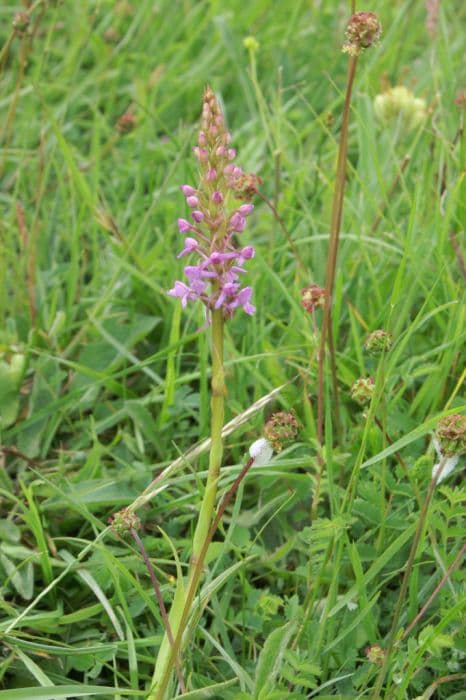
x=313, y=297
x=21, y=23
x=363, y=30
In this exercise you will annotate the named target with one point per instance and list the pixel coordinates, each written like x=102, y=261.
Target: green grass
x=103, y=381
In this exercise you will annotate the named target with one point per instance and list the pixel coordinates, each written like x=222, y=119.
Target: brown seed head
x=21, y=23
x=126, y=123
x=363, y=30
x=313, y=297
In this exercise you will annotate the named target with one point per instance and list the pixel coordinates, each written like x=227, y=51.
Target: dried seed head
x=313, y=297
x=245, y=185
x=378, y=342
x=451, y=435
x=126, y=123
x=362, y=390
x=281, y=429
x=21, y=23
x=375, y=654
x=363, y=30
x=123, y=521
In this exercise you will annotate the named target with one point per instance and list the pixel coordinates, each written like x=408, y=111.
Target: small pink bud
x=184, y=226
x=213, y=131
x=192, y=201
x=198, y=216
x=202, y=140
x=211, y=174
x=228, y=168
x=248, y=252
x=217, y=197
x=237, y=222
x=221, y=151
x=187, y=190
x=231, y=153
x=246, y=209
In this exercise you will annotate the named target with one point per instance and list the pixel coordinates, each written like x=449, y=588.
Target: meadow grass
x=105, y=381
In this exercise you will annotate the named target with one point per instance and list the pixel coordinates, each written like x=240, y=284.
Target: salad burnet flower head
x=212, y=236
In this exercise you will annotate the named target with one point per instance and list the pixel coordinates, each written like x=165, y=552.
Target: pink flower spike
x=190, y=245
x=246, y=209
x=198, y=216
x=184, y=226
x=217, y=197
x=192, y=201
x=187, y=190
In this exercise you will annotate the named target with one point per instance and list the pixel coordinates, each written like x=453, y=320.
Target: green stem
x=376, y=695
x=181, y=607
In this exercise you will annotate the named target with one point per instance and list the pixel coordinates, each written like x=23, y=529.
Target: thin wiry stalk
x=326, y=331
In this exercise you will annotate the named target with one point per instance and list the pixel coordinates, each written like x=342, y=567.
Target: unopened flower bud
x=281, y=429
x=198, y=216
x=126, y=123
x=217, y=197
x=187, y=190
x=251, y=44
x=363, y=30
x=362, y=390
x=378, y=342
x=451, y=435
x=192, y=201
x=313, y=297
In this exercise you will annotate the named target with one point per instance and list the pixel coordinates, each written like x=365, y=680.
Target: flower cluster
x=215, y=225
x=312, y=297
x=363, y=30
x=451, y=434
x=362, y=390
x=123, y=521
x=281, y=429
x=378, y=342
x=399, y=105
